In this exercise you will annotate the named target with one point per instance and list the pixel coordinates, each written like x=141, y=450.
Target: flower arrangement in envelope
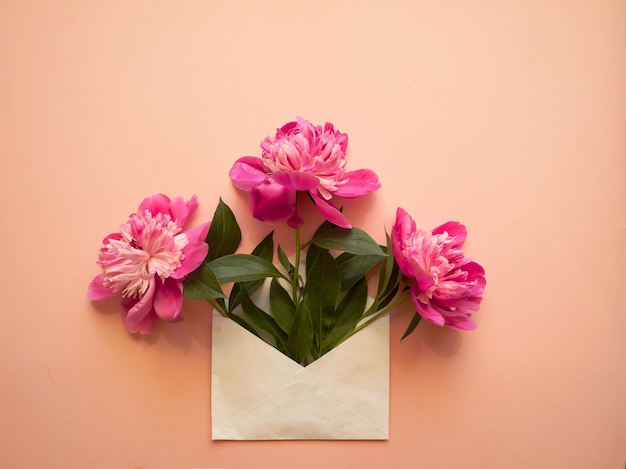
x=300, y=345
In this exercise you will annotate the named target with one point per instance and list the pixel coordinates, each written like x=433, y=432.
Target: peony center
x=147, y=246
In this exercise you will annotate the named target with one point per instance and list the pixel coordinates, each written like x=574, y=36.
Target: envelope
x=257, y=393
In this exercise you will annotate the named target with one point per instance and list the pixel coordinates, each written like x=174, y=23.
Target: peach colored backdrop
x=508, y=116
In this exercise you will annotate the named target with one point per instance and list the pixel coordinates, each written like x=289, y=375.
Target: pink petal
x=158, y=203
x=289, y=126
x=474, y=271
x=455, y=230
x=97, y=291
x=427, y=311
x=195, y=253
x=329, y=211
x=357, y=183
x=247, y=172
x=181, y=210
x=400, y=233
x=464, y=325
x=113, y=236
x=199, y=233
x=297, y=180
x=168, y=299
x=270, y=201
x=424, y=279
x=135, y=311
x=144, y=326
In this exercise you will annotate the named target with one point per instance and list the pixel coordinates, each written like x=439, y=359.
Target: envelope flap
x=356, y=373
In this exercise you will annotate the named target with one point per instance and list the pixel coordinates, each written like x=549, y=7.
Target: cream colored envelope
x=257, y=393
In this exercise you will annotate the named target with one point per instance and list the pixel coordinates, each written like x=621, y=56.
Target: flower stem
x=382, y=312
x=294, y=279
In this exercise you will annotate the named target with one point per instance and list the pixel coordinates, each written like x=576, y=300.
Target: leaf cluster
x=303, y=310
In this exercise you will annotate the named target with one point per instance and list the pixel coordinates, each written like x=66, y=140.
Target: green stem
x=218, y=307
x=294, y=279
x=382, y=312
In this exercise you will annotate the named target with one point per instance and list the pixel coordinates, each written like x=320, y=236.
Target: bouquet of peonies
x=338, y=282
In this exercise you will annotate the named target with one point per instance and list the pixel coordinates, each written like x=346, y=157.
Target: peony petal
x=455, y=229
x=357, y=183
x=403, y=228
x=144, y=326
x=424, y=279
x=297, y=180
x=270, y=201
x=135, y=311
x=112, y=236
x=158, y=203
x=474, y=271
x=248, y=172
x=194, y=254
x=199, y=233
x=462, y=325
x=295, y=221
x=427, y=311
x=329, y=211
x=147, y=324
x=97, y=291
x=168, y=299
x=180, y=210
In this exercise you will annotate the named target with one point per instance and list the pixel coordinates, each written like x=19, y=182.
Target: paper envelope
x=257, y=393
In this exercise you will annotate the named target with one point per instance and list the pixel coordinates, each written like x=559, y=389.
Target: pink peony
x=146, y=261
x=446, y=286
x=301, y=158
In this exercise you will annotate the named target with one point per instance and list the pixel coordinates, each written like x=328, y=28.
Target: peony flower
x=446, y=286
x=146, y=260
x=301, y=158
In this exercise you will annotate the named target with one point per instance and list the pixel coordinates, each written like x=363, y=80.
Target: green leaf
x=282, y=306
x=354, y=267
x=348, y=314
x=385, y=269
x=242, y=268
x=301, y=335
x=224, y=234
x=389, y=277
x=355, y=240
x=263, y=321
x=323, y=284
x=202, y=284
x=264, y=250
x=414, y=322
x=284, y=260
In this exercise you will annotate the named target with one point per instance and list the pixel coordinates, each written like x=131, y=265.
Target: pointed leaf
x=301, y=335
x=242, y=268
x=284, y=260
x=224, y=233
x=389, y=277
x=353, y=267
x=282, y=306
x=414, y=322
x=202, y=284
x=264, y=250
x=323, y=284
x=355, y=240
x=263, y=321
x=348, y=314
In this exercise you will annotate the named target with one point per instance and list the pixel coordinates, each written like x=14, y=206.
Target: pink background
x=507, y=116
